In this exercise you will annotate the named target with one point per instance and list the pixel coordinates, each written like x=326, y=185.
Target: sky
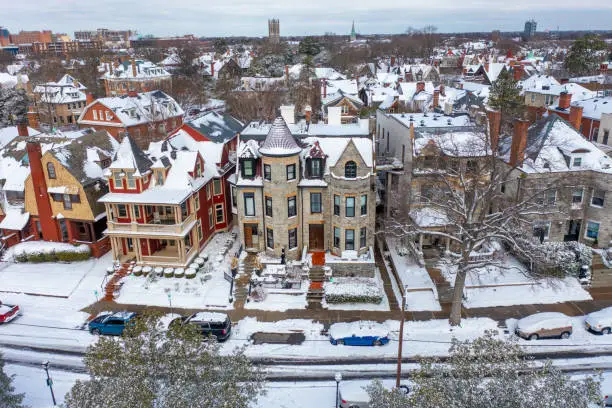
x=249, y=17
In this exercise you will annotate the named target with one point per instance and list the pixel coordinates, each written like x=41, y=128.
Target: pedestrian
x=283, y=256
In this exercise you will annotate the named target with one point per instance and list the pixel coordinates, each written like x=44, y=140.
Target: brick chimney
x=486, y=66
x=564, y=81
x=442, y=90
x=132, y=93
x=603, y=68
x=50, y=232
x=33, y=121
x=22, y=129
x=494, y=117
x=212, y=69
x=420, y=87
x=517, y=72
x=436, y=98
x=134, y=71
x=575, y=116
x=565, y=99
x=308, y=113
x=392, y=61
x=89, y=98
x=519, y=142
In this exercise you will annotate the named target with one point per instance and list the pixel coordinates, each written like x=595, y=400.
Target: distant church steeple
x=353, y=33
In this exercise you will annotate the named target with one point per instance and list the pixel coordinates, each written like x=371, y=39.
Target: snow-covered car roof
x=358, y=329
x=600, y=315
x=546, y=320
x=208, y=317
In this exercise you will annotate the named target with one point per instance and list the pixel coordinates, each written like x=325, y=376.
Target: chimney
x=442, y=90
x=575, y=116
x=22, y=129
x=134, y=72
x=89, y=98
x=308, y=113
x=43, y=204
x=392, y=61
x=494, y=117
x=212, y=69
x=286, y=73
x=33, y=121
x=565, y=100
x=564, y=81
x=420, y=87
x=517, y=72
x=132, y=93
x=519, y=142
x=486, y=66
x=436, y=98
x=603, y=68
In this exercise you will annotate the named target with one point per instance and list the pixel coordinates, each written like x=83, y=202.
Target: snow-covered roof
x=217, y=127
x=142, y=108
x=431, y=120
x=15, y=220
x=428, y=217
x=453, y=143
x=130, y=156
x=552, y=144
x=11, y=81
x=144, y=70
x=66, y=90
x=279, y=141
x=593, y=108
x=7, y=134
x=578, y=92
x=538, y=81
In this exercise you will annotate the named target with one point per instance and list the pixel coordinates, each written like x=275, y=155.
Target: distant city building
x=5, y=37
x=530, y=29
x=274, y=31
x=29, y=37
x=135, y=75
x=353, y=32
x=495, y=35
x=105, y=35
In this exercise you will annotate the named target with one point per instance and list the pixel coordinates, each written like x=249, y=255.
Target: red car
x=8, y=312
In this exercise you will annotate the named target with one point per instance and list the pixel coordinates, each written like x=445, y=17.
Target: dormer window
x=159, y=177
x=350, y=169
x=316, y=168
x=248, y=168
x=131, y=180
x=117, y=180
x=198, y=169
x=577, y=162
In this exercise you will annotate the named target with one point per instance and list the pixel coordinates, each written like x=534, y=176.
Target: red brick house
x=147, y=117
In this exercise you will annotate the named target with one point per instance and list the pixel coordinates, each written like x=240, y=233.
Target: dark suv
x=213, y=324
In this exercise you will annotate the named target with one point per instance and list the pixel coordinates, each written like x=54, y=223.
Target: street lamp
x=45, y=366
x=338, y=378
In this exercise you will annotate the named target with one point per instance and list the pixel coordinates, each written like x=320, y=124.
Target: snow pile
x=353, y=290
x=360, y=328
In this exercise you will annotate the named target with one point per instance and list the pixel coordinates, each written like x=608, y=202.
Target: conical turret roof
x=280, y=141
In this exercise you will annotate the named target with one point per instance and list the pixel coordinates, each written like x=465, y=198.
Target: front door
x=251, y=238
x=316, y=237
x=573, y=232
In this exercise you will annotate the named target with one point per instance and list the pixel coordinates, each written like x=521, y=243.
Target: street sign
x=228, y=277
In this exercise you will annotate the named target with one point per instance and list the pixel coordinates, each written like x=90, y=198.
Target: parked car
x=213, y=324
x=544, y=325
x=8, y=312
x=351, y=395
x=600, y=321
x=362, y=333
x=111, y=323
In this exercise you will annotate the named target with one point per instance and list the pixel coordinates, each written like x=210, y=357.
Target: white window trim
x=222, y=211
x=542, y=223
x=586, y=230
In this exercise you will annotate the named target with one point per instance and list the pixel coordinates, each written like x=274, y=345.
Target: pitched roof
x=216, y=126
x=130, y=156
x=280, y=141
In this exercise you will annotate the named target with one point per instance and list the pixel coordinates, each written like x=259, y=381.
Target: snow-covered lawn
x=186, y=293
x=374, y=285
x=421, y=293
x=43, y=247
x=280, y=302
x=509, y=285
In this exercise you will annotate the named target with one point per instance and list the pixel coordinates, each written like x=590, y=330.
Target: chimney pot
x=22, y=129
x=565, y=100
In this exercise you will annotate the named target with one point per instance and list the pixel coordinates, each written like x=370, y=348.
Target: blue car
x=111, y=323
x=362, y=333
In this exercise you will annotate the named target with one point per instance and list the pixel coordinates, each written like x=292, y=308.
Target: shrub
x=353, y=290
x=72, y=256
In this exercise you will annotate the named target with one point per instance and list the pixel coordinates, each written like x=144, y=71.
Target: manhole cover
x=278, y=338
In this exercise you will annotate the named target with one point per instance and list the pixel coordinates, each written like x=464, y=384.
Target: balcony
x=160, y=228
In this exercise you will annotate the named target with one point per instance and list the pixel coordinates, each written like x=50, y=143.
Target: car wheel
x=96, y=332
x=565, y=335
x=605, y=330
x=340, y=342
x=533, y=337
x=377, y=343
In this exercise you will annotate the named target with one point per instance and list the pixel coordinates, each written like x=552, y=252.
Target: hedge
x=53, y=256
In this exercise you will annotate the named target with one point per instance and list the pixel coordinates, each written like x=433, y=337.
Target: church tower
x=274, y=31
x=353, y=33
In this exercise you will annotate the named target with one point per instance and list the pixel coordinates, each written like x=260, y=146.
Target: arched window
x=350, y=169
x=51, y=170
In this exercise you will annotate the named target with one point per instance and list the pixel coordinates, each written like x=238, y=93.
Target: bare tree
x=463, y=194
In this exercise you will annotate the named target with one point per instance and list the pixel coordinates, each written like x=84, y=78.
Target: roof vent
x=173, y=154
x=422, y=123
x=449, y=121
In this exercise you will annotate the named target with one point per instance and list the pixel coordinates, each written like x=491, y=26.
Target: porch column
x=177, y=214
x=92, y=234
x=420, y=242
x=447, y=251
x=181, y=250
x=137, y=249
x=69, y=229
x=115, y=248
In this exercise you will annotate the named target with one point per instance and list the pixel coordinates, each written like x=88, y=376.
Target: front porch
x=171, y=252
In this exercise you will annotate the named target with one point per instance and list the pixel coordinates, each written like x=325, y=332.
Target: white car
x=600, y=321
x=544, y=325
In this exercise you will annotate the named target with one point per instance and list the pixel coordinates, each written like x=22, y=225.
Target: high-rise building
x=530, y=29
x=274, y=31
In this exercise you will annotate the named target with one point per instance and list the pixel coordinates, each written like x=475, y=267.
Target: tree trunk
x=455, y=314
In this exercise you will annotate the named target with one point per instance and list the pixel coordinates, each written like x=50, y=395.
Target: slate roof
x=280, y=141
x=130, y=156
x=217, y=127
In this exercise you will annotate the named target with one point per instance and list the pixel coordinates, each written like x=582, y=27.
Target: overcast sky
x=249, y=17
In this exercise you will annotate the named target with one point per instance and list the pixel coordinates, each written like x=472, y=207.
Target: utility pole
x=401, y=341
x=45, y=365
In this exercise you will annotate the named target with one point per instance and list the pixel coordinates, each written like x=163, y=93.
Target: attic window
x=577, y=162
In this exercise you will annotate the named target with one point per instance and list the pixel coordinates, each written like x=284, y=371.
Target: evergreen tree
x=8, y=398
x=309, y=46
x=13, y=106
x=505, y=96
x=488, y=372
x=151, y=367
x=584, y=55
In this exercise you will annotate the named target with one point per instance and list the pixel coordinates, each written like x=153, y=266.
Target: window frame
x=319, y=167
x=290, y=169
x=117, y=177
x=292, y=231
x=217, y=208
x=269, y=238
x=350, y=169
x=347, y=207
x=268, y=200
x=129, y=175
x=586, y=230
x=125, y=211
x=602, y=197
x=251, y=168
x=314, y=210
x=539, y=224
x=337, y=237
x=363, y=237
x=348, y=241
x=337, y=204
x=217, y=185
x=247, y=196
x=51, y=173
x=267, y=172
x=291, y=200
x=363, y=204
